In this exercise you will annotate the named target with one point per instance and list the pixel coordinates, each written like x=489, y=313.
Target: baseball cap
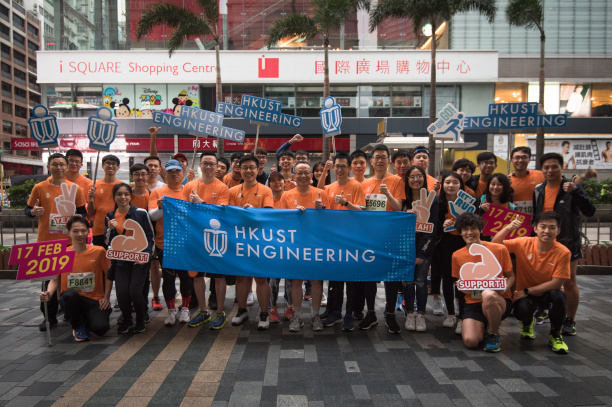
x=180, y=155
x=173, y=165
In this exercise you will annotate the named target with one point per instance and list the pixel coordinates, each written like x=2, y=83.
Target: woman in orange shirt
x=498, y=192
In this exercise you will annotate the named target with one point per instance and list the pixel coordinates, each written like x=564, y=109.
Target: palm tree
x=530, y=14
x=328, y=16
x=186, y=24
x=434, y=12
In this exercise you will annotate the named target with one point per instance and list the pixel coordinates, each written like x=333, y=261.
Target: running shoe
x=541, y=317
x=308, y=293
x=185, y=315
x=218, y=321
x=147, y=318
x=421, y=325
x=251, y=298
x=156, y=304
x=171, y=318
x=116, y=305
x=437, y=307
x=569, y=327
x=450, y=321
x=296, y=324
x=527, y=330
x=391, y=324
x=369, y=321
x=241, y=316
x=348, y=325
x=458, y=328
x=317, y=324
x=288, y=315
x=200, y=319
x=139, y=327
x=124, y=328
x=358, y=315
x=557, y=345
x=399, y=303
x=333, y=318
x=264, y=321
x=410, y=324
x=274, y=316
x=492, y=343
x=80, y=334
x=325, y=314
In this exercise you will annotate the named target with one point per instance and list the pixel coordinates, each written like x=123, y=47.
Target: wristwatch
x=526, y=291
x=345, y=203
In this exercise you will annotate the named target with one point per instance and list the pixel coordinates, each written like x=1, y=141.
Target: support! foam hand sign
x=464, y=203
x=130, y=248
x=422, y=208
x=42, y=260
x=483, y=274
x=66, y=208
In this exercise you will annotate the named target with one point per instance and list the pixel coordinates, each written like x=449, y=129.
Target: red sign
x=44, y=259
x=492, y=284
x=268, y=67
x=498, y=217
x=24, y=144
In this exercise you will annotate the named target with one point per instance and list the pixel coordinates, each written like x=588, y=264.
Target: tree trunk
x=432, y=105
x=540, y=130
x=219, y=97
x=325, y=140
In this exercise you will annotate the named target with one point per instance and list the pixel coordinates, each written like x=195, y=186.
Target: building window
x=7, y=90
x=21, y=130
x=21, y=112
x=6, y=70
x=18, y=40
x=6, y=51
x=7, y=108
x=18, y=22
x=20, y=59
x=32, y=47
x=510, y=92
x=7, y=127
x=32, y=30
x=20, y=76
x=602, y=100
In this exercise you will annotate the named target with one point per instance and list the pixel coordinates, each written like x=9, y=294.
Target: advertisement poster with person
x=575, y=100
x=578, y=153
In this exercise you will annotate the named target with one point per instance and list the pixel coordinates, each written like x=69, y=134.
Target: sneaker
x=369, y=321
x=569, y=327
x=333, y=318
x=458, y=328
x=399, y=303
x=171, y=318
x=541, y=317
x=156, y=304
x=185, y=315
x=527, y=330
x=147, y=318
x=241, y=316
x=42, y=327
x=317, y=324
x=348, y=325
x=139, y=327
x=324, y=300
x=288, y=315
x=437, y=307
x=274, y=316
x=264, y=321
x=80, y=334
x=116, y=305
x=212, y=302
x=251, y=299
x=121, y=320
x=421, y=325
x=218, y=321
x=325, y=314
x=124, y=328
x=358, y=315
x=391, y=324
x=200, y=319
x=492, y=343
x=410, y=324
x=308, y=293
x=296, y=324
x=557, y=345
x=450, y=321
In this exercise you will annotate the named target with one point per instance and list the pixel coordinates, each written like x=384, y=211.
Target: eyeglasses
x=341, y=166
x=249, y=168
x=521, y=157
x=57, y=165
x=303, y=174
x=415, y=177
x=79, y=162
x=140, y=175
x=380, y=157
x=205, y=164
x=111, y=164
x=487, y=163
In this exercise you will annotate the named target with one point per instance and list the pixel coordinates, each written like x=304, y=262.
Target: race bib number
x=57, y=224
x=376, y=202
x=524, y=206
x=477, y=294
x=84, y=282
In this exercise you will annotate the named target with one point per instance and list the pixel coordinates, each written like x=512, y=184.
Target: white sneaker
x=437, y=307
x=458, y=327
x=171, y=318
x=264, y=321
x=410, y=324
x=185, y=316
x=251, y=298
x=450, y=321
x=421, y=326
x=324, y=300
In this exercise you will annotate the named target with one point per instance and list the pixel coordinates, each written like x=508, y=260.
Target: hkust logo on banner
x=43, y=127
x=215, y=240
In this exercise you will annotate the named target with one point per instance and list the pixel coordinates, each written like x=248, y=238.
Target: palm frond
x=525, y=13
x=161, y=14
x=188, y=28
x=486, y=8
x=388, y=9
x=291, y=25
x=211, y=11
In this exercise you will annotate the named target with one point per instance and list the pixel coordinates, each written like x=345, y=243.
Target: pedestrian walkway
x=240, y=366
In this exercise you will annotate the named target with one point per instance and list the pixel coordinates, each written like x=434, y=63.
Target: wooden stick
x=195, y=149
x=47, y=323
x=96, y=170
x=256, y=140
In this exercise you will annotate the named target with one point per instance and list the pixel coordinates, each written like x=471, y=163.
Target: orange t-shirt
x=550, y=197
x=462, y=256
x=290, y=184
x=93, y=260
x=291, y=199
x=83, y=182
x=142, y=201
x=394, y=183
x=523, y=190
x=431, y=182
x=159, y=225
x=481, y=188
x=352, y=190
x=104, y=203
x=214, y=193
x=259, y=195
x=534, y=268
x=45, y=193
x=451, y=217
x=277, y=203
x=120, y=218
x=230, y=181
x=470, y=191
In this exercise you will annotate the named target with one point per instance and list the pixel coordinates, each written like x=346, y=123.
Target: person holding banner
x=262, y=155
x=222, y=167
x=85, y=290
x=359, y=165
x=101, y=200
x=401, y=161
x=542, y=268
x=75, y=162
x=174, y=189
x=487, y=163
x=153, y=163
x=251, y=194
x=425, y=205
x=233, y=178
x=54, y=201
x=182, y=158
x=130, y=276
x=286, y=158
x=480, y=260
x=303, y=197
x=420, y=157
x=209, y=190
x=498, y=192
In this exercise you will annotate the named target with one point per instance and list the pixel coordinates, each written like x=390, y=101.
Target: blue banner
x=313, y=245
x=259, y=110
x=514, y=116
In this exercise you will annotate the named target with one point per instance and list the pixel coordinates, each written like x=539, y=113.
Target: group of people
x=542, y=285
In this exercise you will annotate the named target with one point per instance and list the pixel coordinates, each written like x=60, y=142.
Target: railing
x=596, y=229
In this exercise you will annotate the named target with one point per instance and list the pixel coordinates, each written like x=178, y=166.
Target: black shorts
x=474, y=311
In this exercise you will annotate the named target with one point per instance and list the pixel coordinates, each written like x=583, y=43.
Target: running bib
x=57, y=224
x=477, y=294
x=524, y=206
x=376, y=202
x=84, y=282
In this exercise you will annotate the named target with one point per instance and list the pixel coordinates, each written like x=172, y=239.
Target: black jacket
x=568, y=206
x=142, y=217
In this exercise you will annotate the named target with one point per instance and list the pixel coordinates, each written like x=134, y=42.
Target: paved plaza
x=240, y=366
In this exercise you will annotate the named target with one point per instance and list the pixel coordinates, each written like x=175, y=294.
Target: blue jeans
x=419, y=285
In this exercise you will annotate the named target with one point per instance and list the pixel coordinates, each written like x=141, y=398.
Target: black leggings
x=335, y=296
x=555, y=299
x=80, y=310
x=369, y=289
x=392, y=288
x=443, y=254
x=130, y=279
x=169, y=282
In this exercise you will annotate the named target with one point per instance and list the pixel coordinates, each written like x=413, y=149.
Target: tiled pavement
x=240, y=366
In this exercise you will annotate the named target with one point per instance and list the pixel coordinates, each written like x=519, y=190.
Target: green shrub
x=19, y=195
x=599, y=192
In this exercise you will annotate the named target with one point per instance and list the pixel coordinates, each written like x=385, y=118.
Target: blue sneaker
x=81, y=334
x=218, y=321
x=200, y=319
x=493, y=343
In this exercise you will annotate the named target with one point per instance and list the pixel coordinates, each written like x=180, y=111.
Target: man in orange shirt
x=173, y=189
x=465, y=168
x=286, y=159
x=359, y=165
x=75, y=162
x=302, y=197
x=483, y=307
x=85, y=290
x=523, y=180
x=400, y=161
x=251, y=194
x=208, y=189
x=101, y=199
x=487, y=163
x=542, y=267
x=420, y=157
x=234, y=178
